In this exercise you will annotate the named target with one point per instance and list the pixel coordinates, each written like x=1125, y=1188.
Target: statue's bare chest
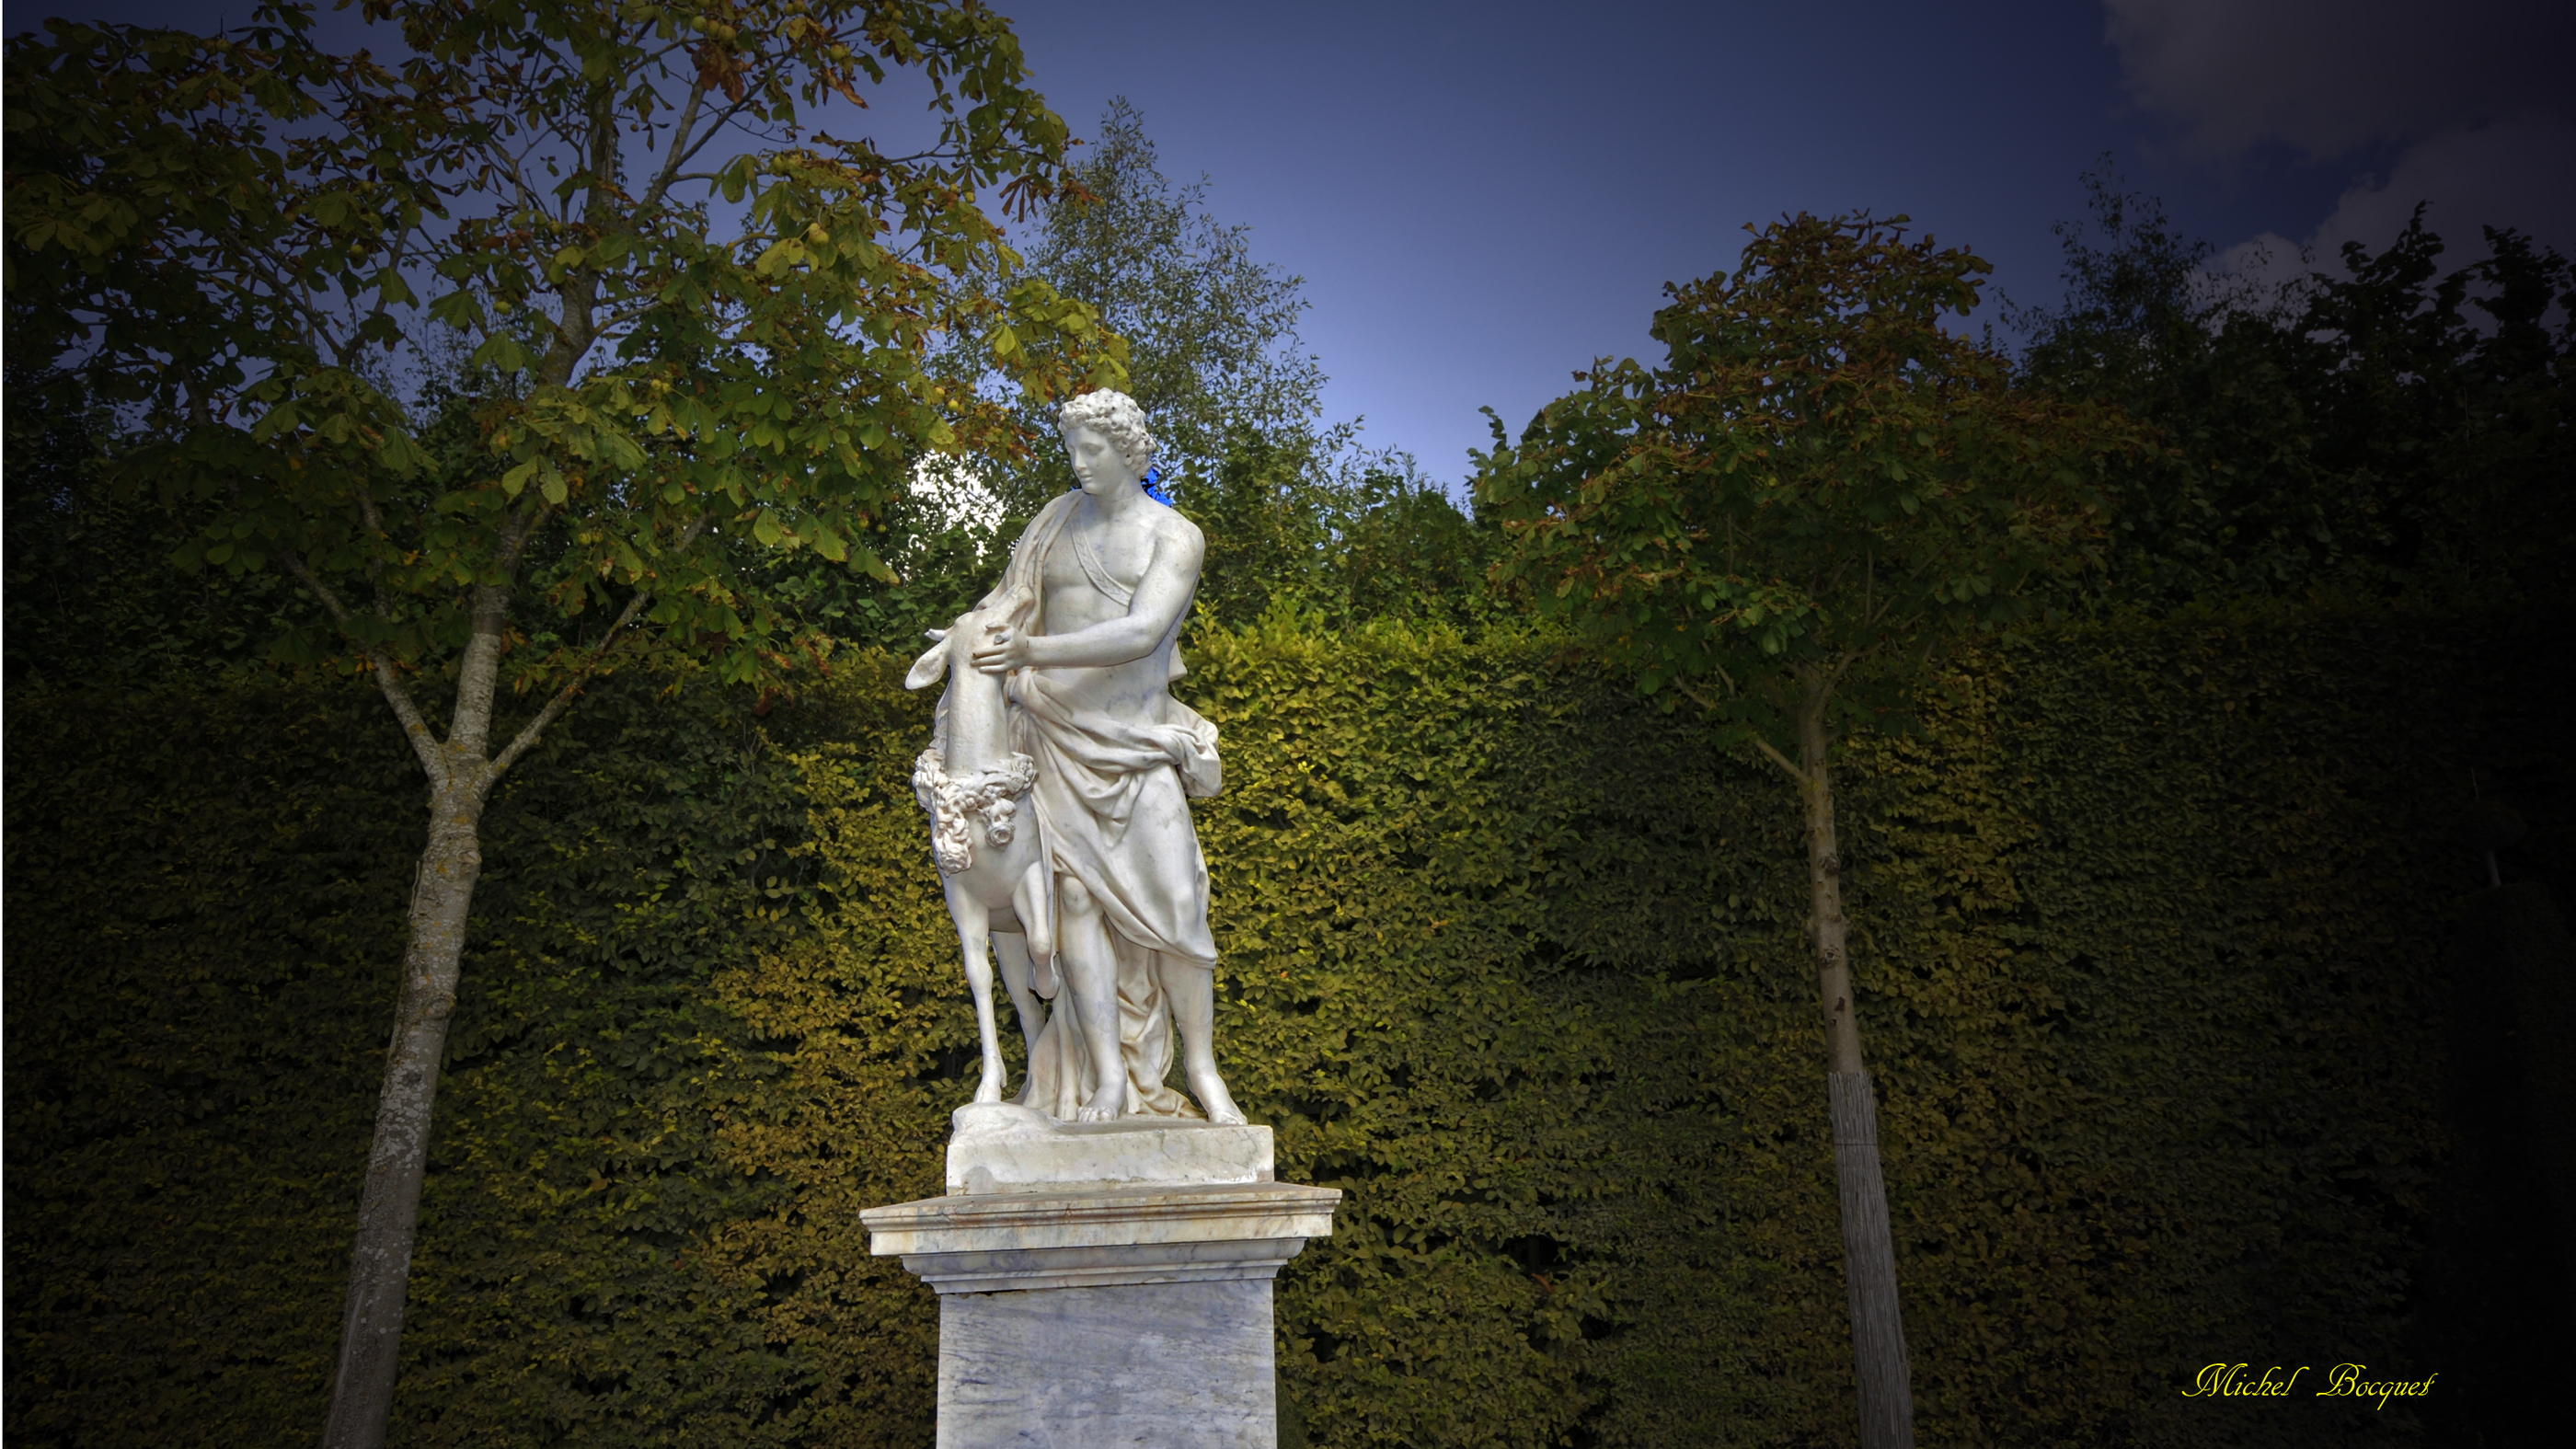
x=1105, y=563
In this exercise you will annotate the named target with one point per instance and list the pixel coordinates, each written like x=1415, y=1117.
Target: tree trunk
x=1869, y=1251
x=461, y=773
x=389, y=1208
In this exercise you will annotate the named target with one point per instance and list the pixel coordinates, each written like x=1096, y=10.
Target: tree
x=1294, y=511
x=2359, y=431
x=2458, y=431
x=1334, y=531
x=1212, y=331
x=89, y=596
x=1784, y=524
x=1212, y=358
x=698, y=325
x=2237, y=503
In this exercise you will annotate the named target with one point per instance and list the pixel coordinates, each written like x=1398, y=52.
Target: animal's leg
x=1192, y=991
x=974, y=935
x=1012, y=950
x=1025, y=895
x=1090, y=967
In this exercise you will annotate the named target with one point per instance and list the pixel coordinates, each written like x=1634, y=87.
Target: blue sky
x=1483, y=197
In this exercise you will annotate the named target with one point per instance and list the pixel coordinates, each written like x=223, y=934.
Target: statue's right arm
x=1171, y=576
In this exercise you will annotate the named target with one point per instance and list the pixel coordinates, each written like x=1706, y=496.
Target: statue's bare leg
x=1089, y=968
x=1192, y=992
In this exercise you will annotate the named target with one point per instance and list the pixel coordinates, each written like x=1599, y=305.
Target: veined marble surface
x=1001, y=1148
x=1098, y=1312
x=1166, y=1366
x=1136, y=1217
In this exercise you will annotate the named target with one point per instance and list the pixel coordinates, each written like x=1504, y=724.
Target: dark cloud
x=2330, y=76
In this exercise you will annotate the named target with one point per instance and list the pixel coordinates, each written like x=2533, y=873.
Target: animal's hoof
x=1229, y=1117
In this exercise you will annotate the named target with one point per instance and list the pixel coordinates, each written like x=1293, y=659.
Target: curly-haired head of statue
x=1117, y=418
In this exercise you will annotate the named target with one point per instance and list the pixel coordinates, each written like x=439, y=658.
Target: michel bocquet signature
x=2343, y=1381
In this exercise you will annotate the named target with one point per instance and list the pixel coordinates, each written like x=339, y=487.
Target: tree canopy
x=2379, y=426
x=692, y=317
x=1820, y=474
x=1211, y=328
x=1297, y=513
x=698, y=332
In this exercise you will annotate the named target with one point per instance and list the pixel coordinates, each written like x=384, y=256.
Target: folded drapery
x=1112, y=812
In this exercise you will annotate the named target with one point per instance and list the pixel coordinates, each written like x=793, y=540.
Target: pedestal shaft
x=1130, y=1309
x=1143, y=1364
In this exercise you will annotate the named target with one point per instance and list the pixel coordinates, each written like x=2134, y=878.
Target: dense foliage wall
x=2149, y=923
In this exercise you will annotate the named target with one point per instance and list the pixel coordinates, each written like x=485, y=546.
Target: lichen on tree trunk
x=389, y=1205
x=461, y=774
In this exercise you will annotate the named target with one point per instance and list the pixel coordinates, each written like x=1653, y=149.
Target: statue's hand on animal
x=1001, y=650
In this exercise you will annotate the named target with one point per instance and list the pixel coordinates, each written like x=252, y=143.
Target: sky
x=1482, y=198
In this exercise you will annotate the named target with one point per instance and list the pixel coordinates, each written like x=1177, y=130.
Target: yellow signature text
x=2345, y=1381
x=2228, y=1381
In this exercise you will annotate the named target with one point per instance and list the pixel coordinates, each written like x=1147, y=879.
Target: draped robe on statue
x=1111, y=813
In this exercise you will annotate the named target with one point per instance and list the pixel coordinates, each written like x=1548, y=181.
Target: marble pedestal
x=1105, y=1284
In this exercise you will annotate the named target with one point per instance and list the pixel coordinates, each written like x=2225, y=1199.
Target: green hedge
x=2149, y=924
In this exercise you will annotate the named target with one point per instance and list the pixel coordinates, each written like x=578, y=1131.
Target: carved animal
x=973, y=785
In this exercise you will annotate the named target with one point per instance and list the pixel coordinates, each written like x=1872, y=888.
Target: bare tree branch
x=1777, y=758
x=424, y=743
x=527, y=738
x=674, y=156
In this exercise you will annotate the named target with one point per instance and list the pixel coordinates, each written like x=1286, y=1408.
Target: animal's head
x=932, y=666
x=934, y=662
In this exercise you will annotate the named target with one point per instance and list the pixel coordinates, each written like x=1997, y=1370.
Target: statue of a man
x=1090, y=612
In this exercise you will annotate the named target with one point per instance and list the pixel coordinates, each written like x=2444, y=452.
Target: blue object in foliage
x=1151, y=483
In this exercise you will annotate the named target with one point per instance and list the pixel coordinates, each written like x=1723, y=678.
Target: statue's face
x=1097, y=461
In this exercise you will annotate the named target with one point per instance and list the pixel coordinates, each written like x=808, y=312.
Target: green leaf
x=460, y=310
x=279, y=419
x=398, y=452
x=503, y=353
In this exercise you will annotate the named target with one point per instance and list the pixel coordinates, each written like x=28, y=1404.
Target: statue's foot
x=1214, y=1100
x=1095, y=1114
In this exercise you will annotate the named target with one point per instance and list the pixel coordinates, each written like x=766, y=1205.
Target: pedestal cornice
x=1004, y=1242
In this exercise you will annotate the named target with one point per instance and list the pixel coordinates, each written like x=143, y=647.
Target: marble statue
x=1105, y=1264
x=1057, y=782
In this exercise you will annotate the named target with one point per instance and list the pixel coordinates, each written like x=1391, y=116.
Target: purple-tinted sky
x=1482, y=197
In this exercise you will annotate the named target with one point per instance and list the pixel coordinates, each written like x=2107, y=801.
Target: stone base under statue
x=1104, y=1284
